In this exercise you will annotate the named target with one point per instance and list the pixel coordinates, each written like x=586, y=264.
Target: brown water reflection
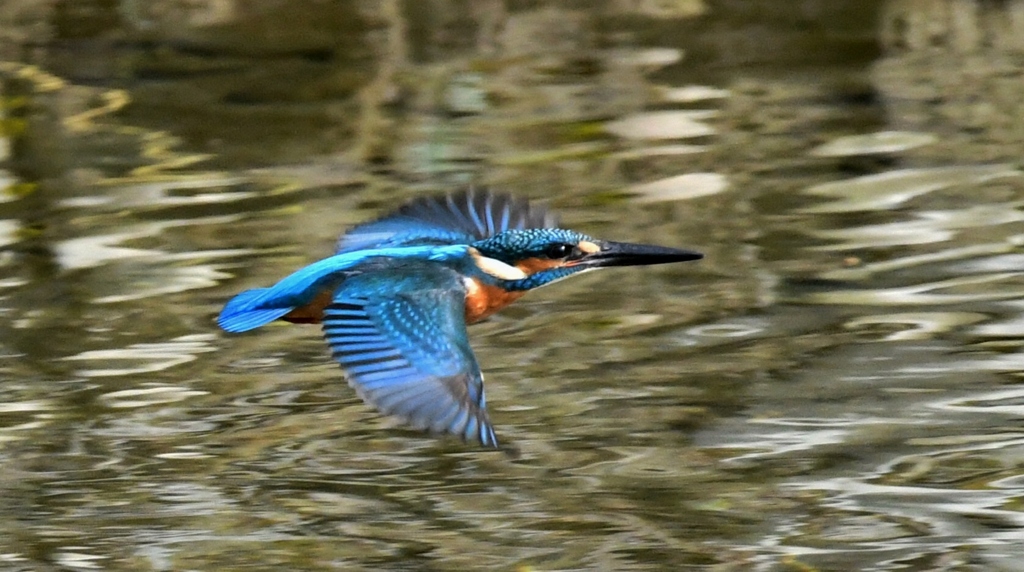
x=833, y=388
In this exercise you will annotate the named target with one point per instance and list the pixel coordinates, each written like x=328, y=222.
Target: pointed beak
x=627, y=254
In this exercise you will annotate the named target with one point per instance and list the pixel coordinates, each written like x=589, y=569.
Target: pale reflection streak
x=156, y=275
x=659, y=125
x=1000, y=363
x=666, y=125
x=882, y=142
x=147, y=357
x=803, y=435
x=650, y=57
x=26, y=406
x=171, y=280
x=926, y=227
x=160, y=192
x=946, y=255
x=1011, y=327
x=679, y=187
x=920, y=502
x=130, y=398
x=692, y=93
x=80, y=560
x=93, y=251
x=916, y=325
x=41, y=418
x=995, y=401
x=893, y=188
x=8, y=232
x=920, y=294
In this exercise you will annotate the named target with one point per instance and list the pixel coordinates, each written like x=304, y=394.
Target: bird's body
x=396, y=298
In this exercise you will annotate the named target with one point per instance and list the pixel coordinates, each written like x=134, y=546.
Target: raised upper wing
x=458, y=218
x=400, y=336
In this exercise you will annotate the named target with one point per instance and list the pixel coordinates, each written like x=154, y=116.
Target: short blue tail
x=243, y=312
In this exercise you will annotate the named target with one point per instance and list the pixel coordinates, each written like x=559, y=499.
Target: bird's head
x=529, y=258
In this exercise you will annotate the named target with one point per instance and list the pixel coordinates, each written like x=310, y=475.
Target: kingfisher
x=396, y=297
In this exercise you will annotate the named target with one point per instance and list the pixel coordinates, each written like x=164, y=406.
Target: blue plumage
x=395, y=299
x=247, y=311
x=460, y=218
x=254, y=308
x=401, y=337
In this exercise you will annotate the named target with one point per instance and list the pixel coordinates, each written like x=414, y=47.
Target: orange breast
x=482, y=300
x=312, y=313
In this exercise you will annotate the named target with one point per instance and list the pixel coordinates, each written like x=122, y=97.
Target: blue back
x=460, y=218
x=254, y=308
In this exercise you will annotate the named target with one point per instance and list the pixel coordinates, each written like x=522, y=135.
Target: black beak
x=627, y=254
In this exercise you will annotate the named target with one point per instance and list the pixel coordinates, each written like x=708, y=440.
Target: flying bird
x=395, y=298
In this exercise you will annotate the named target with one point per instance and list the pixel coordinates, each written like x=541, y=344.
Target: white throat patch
x=496, y=268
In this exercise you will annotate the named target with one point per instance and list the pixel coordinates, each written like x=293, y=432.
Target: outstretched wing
x=457, y=218
x=401, y=338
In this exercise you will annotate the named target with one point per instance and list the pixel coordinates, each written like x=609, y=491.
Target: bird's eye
x=558, y=250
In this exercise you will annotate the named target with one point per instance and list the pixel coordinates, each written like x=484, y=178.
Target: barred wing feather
x=408, y=355
x=457, y=218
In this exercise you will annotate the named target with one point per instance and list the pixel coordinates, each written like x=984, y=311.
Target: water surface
x=835, y=387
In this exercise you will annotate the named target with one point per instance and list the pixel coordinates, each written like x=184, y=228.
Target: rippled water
x=835, y=387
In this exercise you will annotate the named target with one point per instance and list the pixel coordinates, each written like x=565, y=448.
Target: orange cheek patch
x=533, y=265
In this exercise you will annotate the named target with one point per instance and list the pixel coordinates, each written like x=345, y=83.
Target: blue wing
x=254, y=308
x=458, y=218
x=401, y=338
